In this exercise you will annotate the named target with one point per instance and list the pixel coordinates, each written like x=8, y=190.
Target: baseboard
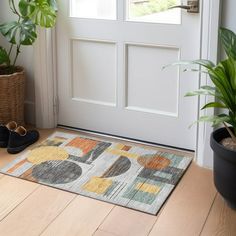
x=30, y=112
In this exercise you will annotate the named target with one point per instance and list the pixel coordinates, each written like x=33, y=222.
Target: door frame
x=46, y=97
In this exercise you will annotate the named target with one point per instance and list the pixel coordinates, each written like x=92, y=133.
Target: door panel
x=91, y=74
x=146, y=89
x=110, y=76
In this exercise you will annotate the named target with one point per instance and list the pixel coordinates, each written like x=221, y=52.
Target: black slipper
x=21, y=139
x=5, y=132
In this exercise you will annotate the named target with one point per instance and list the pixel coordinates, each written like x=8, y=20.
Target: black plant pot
x=224, y=167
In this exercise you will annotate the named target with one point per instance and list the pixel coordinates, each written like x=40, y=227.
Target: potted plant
x=18, y=33
x=223, y=140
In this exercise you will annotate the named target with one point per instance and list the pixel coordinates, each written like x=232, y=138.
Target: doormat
x=135, y=177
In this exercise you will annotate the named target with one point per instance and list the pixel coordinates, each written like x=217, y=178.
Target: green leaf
x=201, y=92
x=207, y=87
x=23, y=32
x=229, y=66
x=41, y=12
x=4, y=58
x=53, y=4
x=228, y=39
x=205, y=63
x=215, y=120
x=214, y=104
x=220, y=79
x=223, y=77
x=25, y=7
x=195, y=70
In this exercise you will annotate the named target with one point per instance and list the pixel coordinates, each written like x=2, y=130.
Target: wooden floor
x=194, y=208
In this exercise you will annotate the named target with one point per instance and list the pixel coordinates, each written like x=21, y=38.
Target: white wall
x=228, y=14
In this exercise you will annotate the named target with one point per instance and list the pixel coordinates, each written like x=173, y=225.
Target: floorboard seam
x=23, y=200
x=203, y=226
x=104, y=220
x=157, y=217
x=49, y=223
x=105, y=232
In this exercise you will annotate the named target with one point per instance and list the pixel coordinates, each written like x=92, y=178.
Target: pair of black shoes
x=16, y=138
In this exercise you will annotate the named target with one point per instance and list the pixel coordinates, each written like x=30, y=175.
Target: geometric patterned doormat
x=136, y=177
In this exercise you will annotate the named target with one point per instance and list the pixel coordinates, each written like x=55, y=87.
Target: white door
x=110, y=78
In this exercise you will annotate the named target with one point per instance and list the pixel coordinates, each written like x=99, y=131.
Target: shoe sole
x=16, y=150
x=3, y=144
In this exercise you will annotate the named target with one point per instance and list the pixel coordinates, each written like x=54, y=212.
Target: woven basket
x=12, y=93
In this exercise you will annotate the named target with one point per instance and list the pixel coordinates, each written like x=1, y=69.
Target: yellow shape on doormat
x=47, y=153
x=148, y=188
x=97, y=185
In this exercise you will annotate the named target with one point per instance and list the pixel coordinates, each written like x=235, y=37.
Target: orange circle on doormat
x=153, y=162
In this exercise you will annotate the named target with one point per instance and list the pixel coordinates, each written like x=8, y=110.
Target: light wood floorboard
x=82, y=217
x=34, y=214
x=30, y=209
x=188, y=207
x=12, y=192
x=221, y=221
x=102, y=233
x=123, y=221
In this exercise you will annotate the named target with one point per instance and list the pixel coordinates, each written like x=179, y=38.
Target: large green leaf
x=23, y=32
x=223, y=77
x=41, y=12
x=228, y=39
x=53, y=4
x=4, y=58
x=26, y=7
x=219, y=78
x=229, y=66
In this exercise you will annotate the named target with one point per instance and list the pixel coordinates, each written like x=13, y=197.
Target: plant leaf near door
x=223, y=77
x=21, y=31
x=223, y=140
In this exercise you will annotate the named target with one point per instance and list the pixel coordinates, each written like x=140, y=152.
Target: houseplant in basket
x=223, y=140
x=20, y=32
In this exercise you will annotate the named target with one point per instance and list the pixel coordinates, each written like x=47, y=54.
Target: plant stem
x=9, y=53
x=10, y=4
x=13, y=8
x=17, y=54
x=230, y=132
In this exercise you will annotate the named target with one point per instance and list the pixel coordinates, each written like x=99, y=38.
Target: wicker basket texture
x=12, y=94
